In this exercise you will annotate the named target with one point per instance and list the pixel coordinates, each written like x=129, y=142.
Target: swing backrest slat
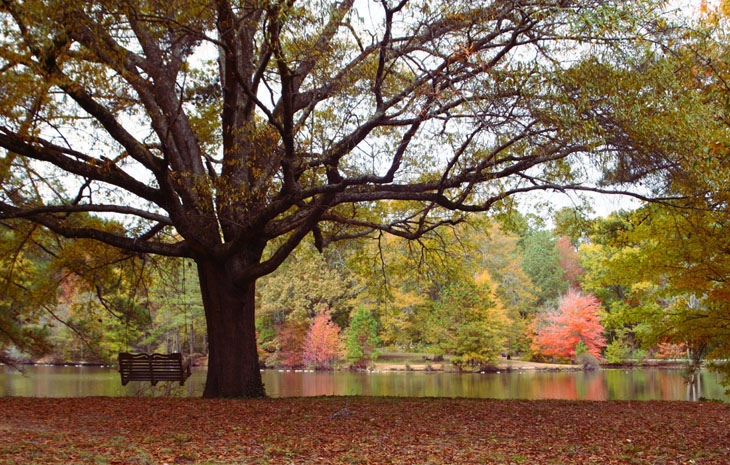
x=153, y=367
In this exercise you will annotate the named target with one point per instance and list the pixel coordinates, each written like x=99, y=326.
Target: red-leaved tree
x=576, y=320
x=322, y=345
x=291, y=336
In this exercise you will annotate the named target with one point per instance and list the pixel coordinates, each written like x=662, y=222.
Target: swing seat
x=153, y=367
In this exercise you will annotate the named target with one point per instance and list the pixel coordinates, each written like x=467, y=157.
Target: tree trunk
x=233, y=362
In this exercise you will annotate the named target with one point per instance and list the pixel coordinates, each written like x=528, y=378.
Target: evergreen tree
x=541, y=262
x=361, y=338
x=469, y=324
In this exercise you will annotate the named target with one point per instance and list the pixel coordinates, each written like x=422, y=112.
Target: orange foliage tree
x=575, y=321
x=322, y=345
x=667, y=350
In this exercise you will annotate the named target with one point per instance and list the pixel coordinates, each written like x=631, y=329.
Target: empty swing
x=153, y=367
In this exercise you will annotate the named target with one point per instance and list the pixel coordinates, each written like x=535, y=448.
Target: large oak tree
x=227, y=131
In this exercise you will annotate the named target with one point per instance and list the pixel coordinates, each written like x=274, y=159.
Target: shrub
x=587, y=361
x=641, y=355
x=617, y=351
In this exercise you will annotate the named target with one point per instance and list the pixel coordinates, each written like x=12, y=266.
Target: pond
x=622, y=384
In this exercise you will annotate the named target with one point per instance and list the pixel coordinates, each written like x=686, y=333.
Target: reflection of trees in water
x=640, y=384
x=626, y=384
x=602, y=385
x=694, y=385
x=667, y=385
x=596, y=387
x=557, y=386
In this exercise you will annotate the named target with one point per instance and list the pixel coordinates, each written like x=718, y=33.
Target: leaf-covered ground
x=360, y=430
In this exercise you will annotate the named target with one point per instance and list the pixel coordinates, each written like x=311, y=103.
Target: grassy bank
x=360, y=430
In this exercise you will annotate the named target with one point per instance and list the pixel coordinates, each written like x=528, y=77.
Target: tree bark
x=233, y=362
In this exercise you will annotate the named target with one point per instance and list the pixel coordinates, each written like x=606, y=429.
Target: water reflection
x=639, y=384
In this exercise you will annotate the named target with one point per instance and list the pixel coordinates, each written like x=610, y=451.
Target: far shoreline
x=423, y=366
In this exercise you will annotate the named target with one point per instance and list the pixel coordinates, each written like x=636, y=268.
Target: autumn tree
x=322, y=345
x=501, y=256
x=226, y=132
x=686, y=250
x=574, y=223
x=662, y=271
x=289, y=299
x=175, y=309
x=391, y=288
x=576, y=321
x=615, y=275
x=674, y=268
x=24, y=294
x=301, y=286
x=290, y=338
x=82, y=297
x=401, y=278
x=501, y=263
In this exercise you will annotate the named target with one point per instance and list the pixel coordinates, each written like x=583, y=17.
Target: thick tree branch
x=75, y=208
x=66, y=228
x=89, y=167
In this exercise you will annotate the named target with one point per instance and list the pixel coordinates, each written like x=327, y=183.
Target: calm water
x=638, y=384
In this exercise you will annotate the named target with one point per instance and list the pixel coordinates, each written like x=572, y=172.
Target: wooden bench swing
x=153, y=367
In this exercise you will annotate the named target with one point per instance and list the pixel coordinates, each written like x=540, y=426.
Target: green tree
x=573, y=223
x=541, y=262
x=227, y=132
x=618, y=350
x=361, y=338
x=469, y=324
